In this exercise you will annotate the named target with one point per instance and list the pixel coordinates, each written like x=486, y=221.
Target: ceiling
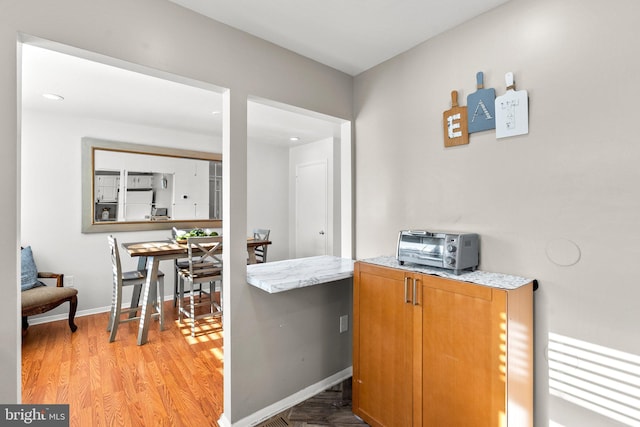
x=349, y=35
x=99, y=91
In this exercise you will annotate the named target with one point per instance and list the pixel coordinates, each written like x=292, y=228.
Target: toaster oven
x=453, y=251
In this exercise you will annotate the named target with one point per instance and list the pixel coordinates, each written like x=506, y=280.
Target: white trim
x=288, y=402
x=224, y=421
x=65, y=316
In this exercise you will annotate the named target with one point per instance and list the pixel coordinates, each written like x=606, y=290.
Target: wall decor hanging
x=512, y=110
x=454, y=122
x=481, y=107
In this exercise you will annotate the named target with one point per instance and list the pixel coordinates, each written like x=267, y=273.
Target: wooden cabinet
x=382, y=368
x=430, y=351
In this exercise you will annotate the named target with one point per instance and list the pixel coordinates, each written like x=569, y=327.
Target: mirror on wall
x=128, y=187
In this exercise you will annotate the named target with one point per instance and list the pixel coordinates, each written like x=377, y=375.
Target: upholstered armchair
x=37, y=298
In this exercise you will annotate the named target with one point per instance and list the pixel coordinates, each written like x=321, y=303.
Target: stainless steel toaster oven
x=453, y=251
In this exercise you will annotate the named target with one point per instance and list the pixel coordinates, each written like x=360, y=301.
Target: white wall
x=267, y=195
x=164, y=36
x=271, y=192
x=574, y=177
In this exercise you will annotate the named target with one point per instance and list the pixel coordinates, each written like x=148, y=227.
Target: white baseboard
x=288, y=402
x=64, y=316
x=224, y=421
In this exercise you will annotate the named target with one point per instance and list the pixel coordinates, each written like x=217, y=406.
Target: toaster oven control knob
x=451, y=248
x=450, y=261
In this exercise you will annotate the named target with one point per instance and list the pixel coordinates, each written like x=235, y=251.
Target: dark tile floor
x=332, y=407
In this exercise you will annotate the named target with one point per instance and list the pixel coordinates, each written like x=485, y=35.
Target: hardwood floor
x=173, y=380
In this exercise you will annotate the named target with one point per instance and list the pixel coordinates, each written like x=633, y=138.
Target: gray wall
x=571, y=183
x=163, y=36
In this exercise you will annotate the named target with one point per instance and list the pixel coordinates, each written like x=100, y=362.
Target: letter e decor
x=455, y=123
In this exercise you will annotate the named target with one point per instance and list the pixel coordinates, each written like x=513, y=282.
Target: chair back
x=261, y=251
x=261, y=234
x=116, y=266
x=205, y=261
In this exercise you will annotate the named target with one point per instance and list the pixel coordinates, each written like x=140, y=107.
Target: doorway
x=311, y=219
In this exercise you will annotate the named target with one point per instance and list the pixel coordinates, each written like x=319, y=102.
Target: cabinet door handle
x=406, y=290
x=415, y=292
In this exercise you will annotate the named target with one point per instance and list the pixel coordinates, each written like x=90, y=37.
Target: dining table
x=149, y=255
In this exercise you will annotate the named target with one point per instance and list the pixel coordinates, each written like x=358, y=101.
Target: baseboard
x=36, y=320
x=64, y=316
x=288, y=402
x=224, y=421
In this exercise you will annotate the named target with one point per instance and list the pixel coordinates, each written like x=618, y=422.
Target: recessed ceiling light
x=53, y=96
x=294, y=138
x=215, y=113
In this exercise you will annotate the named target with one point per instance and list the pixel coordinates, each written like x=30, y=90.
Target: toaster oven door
x=423, y=249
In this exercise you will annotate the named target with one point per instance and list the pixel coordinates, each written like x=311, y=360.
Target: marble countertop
x=495, y=280
x=280, y=276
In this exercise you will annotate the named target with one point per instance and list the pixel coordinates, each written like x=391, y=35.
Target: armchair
x=37, y=298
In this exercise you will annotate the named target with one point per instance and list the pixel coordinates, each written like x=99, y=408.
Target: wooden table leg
x=252, y=255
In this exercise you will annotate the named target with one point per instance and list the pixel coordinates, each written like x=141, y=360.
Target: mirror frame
x=89, y=147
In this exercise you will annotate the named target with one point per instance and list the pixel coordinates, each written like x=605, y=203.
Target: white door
x=311, y=209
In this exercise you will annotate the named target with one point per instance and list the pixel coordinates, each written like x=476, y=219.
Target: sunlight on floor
x=207, y=330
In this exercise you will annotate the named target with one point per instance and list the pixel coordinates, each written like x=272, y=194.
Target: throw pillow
x=29, y=271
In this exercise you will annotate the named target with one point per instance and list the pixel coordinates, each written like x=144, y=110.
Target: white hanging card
x=512, y=111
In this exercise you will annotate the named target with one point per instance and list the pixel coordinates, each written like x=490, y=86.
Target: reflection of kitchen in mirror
x=144, y=195
x=141, y=187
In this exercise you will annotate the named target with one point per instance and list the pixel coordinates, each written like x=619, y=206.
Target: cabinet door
x=106, y=188
x=382, y=377
x=108, y=194
x=139, y=181
x=145, y=181
x=462, y=330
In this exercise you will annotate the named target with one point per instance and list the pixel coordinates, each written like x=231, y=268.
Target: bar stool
x=130, y=278
x=204, y=266
x=181, y=264
x=261, y=251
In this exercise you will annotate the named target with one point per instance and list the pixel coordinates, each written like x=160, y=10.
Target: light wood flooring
x=173, y=380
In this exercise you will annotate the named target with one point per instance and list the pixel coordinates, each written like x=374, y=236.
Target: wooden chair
x=204, y=266
x=136, y=279
x=261, y=251
x=44, y=298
